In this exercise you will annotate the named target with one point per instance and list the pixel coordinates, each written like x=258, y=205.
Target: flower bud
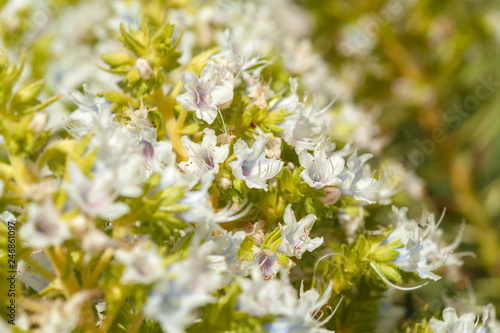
x=332, y=195
x=225, y=105
x=38, y=122
x=117, y=59
x=144, y=68
x=29, y=93
x=224, y=183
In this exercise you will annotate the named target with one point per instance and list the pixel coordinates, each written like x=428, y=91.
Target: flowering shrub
x=208, y=190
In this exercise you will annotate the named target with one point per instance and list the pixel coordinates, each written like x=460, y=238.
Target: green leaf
x=116, y=59
x=389, y=270
x=245, y=252
x=159, y=122
x=131, y=43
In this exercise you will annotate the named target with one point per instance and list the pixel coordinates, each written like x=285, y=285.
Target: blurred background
x=424, y=76
x=432, y=69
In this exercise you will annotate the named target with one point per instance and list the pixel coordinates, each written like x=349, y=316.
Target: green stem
x=110, y=317
x=166, y=107
x=45, y=273
x=68, y=279
x=101, y=265
x=136, y=325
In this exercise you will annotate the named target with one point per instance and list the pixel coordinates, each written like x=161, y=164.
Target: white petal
x=222, y=95
x=241, y=149
x=209, y=139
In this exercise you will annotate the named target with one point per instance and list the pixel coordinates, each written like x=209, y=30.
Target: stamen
x=392, y=284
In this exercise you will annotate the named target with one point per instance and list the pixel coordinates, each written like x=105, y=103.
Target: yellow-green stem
x=110, y=317
x=101, y=265
x=136, y=325
x=166, y=109
x=69, y=282
x=45, y=273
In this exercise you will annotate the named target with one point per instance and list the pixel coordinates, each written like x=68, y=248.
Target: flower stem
x=101, y=265
x=136, y=324
x=110, y=317
x=67, y=278
x=43, y=272
x=166, y=107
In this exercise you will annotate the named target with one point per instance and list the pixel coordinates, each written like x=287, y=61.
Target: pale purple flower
x=203, y=95
x=295, y=239
x=260, y=297
x=44, y=228
x=294, y=313
x=489, y=321
x=251, y=164
x=142, y=266
x=422, y=251
x=358, y=181
x=95, y=196
x=267, y=260
x=304, y=127
x=223, y=258
x=321, y=170
x=204, y=158
x=306, y=315
x=188, y=286
x=451, y=323
x=91, y=112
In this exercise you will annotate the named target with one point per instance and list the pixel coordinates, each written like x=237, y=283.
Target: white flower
x=358, y=181
x=295, y=239
x=95, y=196
x=7, y=218
x=422, y=252
x=95, y=241
x=260, y=297
x=320, y=170
x=142, y=266
x=91, y=110
x=173, y=300
x=306, y=316
x=251, y=164
x=205, y=157
x=489, y=321
x=466, y=323
x=4, y=327
x=278, y=298
x=64, y=316
x=451, y=323
x=161, y=159
x=202, y=211
x=203, y=95
x=138, y=118
x=351, y=222
x=224, y=256
x=44, y=228
x=120, y=155
x=304, y=128
x=261, y=92
x=267, y=260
